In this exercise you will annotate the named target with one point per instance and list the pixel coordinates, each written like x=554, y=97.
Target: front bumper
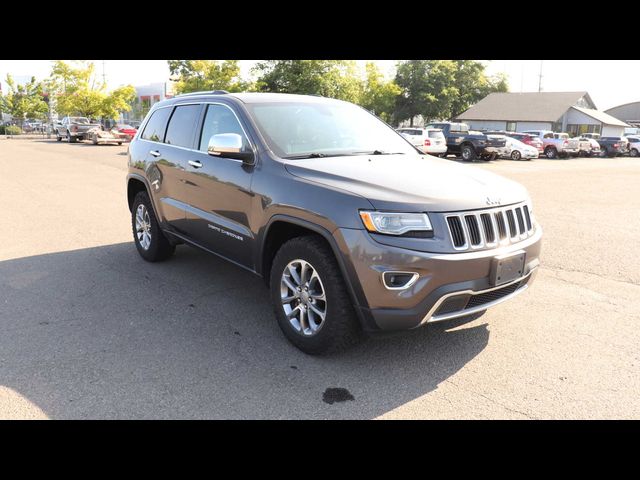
x=457, y=276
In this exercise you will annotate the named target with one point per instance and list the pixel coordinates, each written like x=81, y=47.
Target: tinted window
x=220, y=119
x=435, y=134
x=182, y=126
x=156, y=125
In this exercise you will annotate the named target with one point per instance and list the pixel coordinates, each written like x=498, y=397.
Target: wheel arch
x=273, y=238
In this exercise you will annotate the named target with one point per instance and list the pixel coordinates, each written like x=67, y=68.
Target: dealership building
x=571, y=112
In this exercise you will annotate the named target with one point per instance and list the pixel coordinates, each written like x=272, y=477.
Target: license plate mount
x=507, y=268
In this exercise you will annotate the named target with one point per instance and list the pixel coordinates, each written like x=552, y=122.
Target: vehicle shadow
x=100, y=333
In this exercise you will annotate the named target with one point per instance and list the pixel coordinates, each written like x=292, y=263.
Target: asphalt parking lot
x=90, y=330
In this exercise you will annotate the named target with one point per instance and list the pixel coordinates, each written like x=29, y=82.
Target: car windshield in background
x=299, y=130
x=81, y=120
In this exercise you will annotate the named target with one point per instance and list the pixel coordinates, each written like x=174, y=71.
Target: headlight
x=392, y=223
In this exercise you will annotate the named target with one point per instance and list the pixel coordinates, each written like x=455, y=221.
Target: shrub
x=12, y=130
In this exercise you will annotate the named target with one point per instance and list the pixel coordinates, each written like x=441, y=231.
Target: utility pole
x=104, y=75
x=540, y=77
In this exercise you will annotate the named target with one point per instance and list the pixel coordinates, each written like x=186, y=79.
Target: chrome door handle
x=155, y=153
x=195, y=163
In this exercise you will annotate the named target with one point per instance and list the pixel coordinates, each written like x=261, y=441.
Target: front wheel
x=70, y=139
x=516, y=155
x=151, y=243
x=310, y=297
x=634, y=152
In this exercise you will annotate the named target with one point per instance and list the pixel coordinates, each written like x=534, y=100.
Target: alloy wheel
x=143, y=227
x=303, y=297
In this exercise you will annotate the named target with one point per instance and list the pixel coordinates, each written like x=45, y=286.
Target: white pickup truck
x=556, y=144
x=74, y=128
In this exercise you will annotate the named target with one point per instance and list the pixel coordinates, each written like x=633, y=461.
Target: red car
x=127, y=130
x=528, y=139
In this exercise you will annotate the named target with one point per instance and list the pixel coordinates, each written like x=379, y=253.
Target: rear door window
x=182, y=126
x=156, y=126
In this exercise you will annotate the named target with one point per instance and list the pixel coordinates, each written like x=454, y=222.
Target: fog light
x=399, y=280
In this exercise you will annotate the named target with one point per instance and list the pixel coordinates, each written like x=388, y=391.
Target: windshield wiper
x=378, y=152
x=315, y=155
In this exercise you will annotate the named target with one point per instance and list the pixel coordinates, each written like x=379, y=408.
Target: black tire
x=95, y=140
x=604, y=153
x=516, y=155
x=70, y=139
x=58, y=137
x=340, y=328
x=468, y=153
x=551, y=152
x=119, y=143
x=160, y=248
x=634, y=152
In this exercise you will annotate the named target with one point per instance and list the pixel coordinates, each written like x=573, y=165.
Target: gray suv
x=352, y=228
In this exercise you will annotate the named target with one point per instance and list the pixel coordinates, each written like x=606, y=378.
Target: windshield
x=82, y=120
x=324, y=129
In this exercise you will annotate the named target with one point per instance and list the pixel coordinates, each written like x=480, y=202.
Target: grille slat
x=502, y=226
x=527, y=217
x=457, y=234
x=474, y=230
x=483, y=298
x=489, y=233
x=520, y=221
x=512, y=223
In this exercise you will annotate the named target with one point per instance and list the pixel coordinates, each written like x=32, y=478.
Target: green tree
x=77, y=91
x=379, y=95
x=428, y=89
x=472, y=85
x=329, y=78
x=442, y=89
x=24, y=101
x=196, y=75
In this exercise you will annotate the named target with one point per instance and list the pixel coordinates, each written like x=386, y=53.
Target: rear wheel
x=151, y=243
x=58, y=137
x=95, y=140
x=70, y=139
x=551, y=152
x=468, y=153
x=310, y=297
x=516, y=155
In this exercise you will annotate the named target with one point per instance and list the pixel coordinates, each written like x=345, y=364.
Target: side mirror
x=229, y=145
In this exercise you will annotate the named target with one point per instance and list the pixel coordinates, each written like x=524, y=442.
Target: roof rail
x=210, y=92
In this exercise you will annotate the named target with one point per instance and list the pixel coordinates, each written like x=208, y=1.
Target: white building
x=571, y=112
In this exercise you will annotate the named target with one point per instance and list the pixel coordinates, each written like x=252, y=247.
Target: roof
x=523, y=107
x=602, y=117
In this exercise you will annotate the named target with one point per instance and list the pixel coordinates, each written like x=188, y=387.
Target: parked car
x=74, y=128
x=98, y=135
x=517, y=150
x=528, y=139
x=595, y=136
x=576, y=145
x=555, y=146
x=350, y=226
x=126, y=130
x=612, y=146
x=427, y=140
x=595, y=146
x=634, y=146
x=470, y=146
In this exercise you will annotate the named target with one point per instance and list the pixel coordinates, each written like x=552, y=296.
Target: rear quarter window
x=156, y=126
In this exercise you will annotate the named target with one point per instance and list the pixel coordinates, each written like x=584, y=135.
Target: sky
x=609, y=82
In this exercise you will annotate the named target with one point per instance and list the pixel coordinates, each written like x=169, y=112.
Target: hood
x=422, y=181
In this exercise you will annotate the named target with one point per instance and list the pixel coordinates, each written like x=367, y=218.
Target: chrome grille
x=489, y=228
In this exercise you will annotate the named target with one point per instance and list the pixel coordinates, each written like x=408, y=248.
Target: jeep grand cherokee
x=352, y=228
